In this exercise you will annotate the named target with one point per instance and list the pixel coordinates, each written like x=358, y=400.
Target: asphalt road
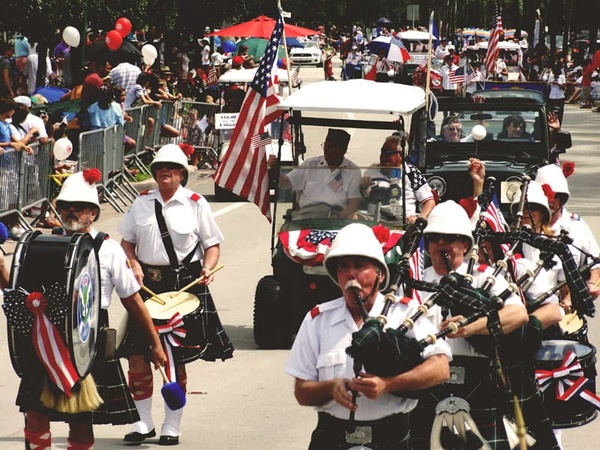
x=247, y=401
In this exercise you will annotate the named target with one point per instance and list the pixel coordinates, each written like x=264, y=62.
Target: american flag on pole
x=211, y=77
x=296, y=81
x=260, y=140
x=337, y=182
x=461, y=75
x=496, y=220
x=243, y=170
x=493, y=47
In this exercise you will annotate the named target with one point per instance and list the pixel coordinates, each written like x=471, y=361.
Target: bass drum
x=576, y=411
x=43, y=260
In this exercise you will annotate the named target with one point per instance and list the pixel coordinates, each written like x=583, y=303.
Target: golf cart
x=481, y=117
x=302, y=233
x=233, y=85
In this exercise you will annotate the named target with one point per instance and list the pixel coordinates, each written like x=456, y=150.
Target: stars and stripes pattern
x=260, y=140
x=461, y=75
x=337, y=182
x=493, y=43
x=211, y=77
x=296, y=81
x=243, y=170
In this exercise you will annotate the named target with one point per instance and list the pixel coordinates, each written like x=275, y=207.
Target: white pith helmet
x=171, y=153
x=535, y=196
x=449, y=218
x=355, y=239
x=553, y=176
x=81, y=187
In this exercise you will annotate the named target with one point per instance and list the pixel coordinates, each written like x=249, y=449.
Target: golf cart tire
x=271, y=330
x=223, y=195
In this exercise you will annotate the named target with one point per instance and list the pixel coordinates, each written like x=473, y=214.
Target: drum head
x=557, y=349
x=571, y=323
x=83, y=288
x=183, y=303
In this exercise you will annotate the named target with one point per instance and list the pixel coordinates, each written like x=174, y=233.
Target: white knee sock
x=145, y=424
x=172, y=421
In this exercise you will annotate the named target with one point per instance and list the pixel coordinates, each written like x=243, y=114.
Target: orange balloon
x=123, y=26
x=113, y=40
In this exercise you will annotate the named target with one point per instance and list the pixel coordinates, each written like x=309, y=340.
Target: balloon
x=123, y=26
x=217, y=41
x=478, y=132
x=63, y=147
x=149, y=50
x=113, y=40
x=71, y=36
x=149, y=61
x=228, y=46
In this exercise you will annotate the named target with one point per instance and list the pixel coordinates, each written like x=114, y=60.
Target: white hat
x=449, y=218
x=355, y=239
x=23, y=100
x=535, y=196
x=553, y=176
x=81, y=187
x=171, y=153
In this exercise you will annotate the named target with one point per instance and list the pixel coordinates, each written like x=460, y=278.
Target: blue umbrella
x=293, y=42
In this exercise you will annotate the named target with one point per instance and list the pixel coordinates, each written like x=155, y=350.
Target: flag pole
x=284, y=15
x=427, y=83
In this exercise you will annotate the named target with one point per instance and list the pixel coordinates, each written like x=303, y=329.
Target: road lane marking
x=229, y=209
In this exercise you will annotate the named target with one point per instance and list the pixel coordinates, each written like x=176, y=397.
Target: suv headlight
x=438, y=184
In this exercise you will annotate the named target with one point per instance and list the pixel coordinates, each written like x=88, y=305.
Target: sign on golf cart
x=226, y=121
x=308, y=213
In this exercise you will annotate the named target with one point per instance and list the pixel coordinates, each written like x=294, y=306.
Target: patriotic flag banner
x=211, y=77
x=493, y=46
x=337, y=182
x=170, y=334
x=260, y=140
x=243, y=170
x=569, y=379
x=460, y=76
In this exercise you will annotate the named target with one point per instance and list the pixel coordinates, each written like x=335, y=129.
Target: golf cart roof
x=502, y=45
x=356, y=96
x=247, y=75
x=414, y=35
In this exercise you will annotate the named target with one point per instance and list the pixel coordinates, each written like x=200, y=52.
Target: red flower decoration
x=187, y=149
x=92, y=175
x=548, y=192
x=36, y=303
x=469, y=204
x=381, y=233
x=568, y=168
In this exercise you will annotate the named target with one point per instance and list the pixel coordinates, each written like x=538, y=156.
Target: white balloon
x=62, y=149
x=71, y=36
x=478, y=132
x=149, y=50
x=149, y=61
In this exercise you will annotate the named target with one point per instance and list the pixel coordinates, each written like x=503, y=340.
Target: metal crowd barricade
x=136, y=129
x=197, y=130
x=103, y=149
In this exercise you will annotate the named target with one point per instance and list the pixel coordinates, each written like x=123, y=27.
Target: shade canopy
x=262, y=27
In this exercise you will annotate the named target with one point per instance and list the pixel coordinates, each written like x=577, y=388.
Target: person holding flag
x=243, y=170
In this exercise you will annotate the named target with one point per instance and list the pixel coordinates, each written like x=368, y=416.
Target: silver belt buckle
x=361, y=435
x=155, y=274
x=457, y=375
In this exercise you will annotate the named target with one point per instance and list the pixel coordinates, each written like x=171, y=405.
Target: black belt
x=390, y=429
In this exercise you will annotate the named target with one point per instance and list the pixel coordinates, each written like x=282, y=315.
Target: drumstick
x=154, y=297
x=197, y=280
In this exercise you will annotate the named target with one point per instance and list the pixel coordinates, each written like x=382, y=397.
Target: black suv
x=506, y=159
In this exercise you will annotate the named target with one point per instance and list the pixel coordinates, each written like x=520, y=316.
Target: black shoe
x=168, y=440
x=138, y=438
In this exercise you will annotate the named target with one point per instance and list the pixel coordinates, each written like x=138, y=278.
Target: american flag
x=260, y=140
x=296, y=81
x=243, y=170
x=337, y=182
x=496, y=220
x=211, y=77
x=493, y=48
x=458, y=76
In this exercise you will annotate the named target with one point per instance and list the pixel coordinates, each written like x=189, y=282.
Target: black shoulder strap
x=99, y=240
x=167, y=242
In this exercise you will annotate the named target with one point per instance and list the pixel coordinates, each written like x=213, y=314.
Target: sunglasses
x=77, y=206
x=385, y=151
x=446, y=238
x=166, y=165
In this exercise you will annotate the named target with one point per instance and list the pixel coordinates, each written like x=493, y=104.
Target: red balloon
x=123, y=26
x=113, y=40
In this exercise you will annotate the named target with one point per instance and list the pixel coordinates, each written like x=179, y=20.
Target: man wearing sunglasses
x=78, y=206
x=451, y=129
x=419, y=197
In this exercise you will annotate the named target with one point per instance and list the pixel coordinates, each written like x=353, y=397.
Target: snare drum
x=574, y=327
x=194, y=320
x=576, y=411
x=43, y=260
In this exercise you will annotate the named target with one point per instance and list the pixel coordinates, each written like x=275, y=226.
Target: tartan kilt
x=206, y=339
x=486, y=400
